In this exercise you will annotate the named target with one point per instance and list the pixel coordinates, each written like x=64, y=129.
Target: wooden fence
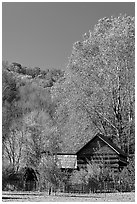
x=92, y=187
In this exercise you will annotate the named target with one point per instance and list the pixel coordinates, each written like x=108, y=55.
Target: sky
x=41, y=34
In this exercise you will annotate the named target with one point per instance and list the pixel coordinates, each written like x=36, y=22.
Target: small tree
x=51, y=176
x=79, y=177
x=13, y=155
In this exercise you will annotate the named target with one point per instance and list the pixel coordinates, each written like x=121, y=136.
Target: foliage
x=10, y=97
x=97, y=91
x=79, y=177
x=50, y=173
x=43, y=136
x=93, y=169
x=127, y=177
x=93, y=177
x=11, y=180
x=28, y=127
x=13, y=147
x=50, y=76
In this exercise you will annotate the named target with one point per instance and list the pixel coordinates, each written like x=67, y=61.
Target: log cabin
x=98, y=148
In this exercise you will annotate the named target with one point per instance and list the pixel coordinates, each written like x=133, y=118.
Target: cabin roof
x=107, y=141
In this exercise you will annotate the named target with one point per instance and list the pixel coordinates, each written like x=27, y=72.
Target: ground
x=44, y=197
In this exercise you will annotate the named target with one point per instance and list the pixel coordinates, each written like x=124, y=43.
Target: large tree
x=97, y=91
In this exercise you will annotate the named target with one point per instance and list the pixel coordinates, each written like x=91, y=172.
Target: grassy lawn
x=43, y=197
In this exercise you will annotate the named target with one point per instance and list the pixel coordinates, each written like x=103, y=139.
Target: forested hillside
x=52, y=110
x=28, y=125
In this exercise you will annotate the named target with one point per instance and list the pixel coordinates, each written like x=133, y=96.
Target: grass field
x=43, y=197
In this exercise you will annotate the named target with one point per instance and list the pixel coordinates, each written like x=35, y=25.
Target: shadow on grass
x=9, y=198
x=12, y=195
x=22, y=194
x=79, y=196
x=65, y=195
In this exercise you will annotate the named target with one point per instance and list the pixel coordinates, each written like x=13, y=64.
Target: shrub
x=127, y=177
x=79, y=177
x=11, y=180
